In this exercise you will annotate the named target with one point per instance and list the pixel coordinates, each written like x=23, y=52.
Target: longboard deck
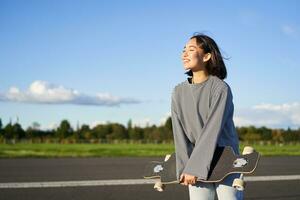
x=224, y=163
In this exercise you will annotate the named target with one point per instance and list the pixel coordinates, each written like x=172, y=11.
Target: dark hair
x=215, y=65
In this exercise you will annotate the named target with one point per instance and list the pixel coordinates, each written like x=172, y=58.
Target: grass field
x=119, y=150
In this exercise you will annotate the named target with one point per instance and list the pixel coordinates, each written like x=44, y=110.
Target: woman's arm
x=183, y=146
x=201, y=157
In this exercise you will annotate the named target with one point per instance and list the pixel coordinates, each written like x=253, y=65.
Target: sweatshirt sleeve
x=183, y=146
x=201, y=157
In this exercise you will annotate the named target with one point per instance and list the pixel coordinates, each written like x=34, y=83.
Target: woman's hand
x=186, y=179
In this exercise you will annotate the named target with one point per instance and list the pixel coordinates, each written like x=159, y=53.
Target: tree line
x=114, y=131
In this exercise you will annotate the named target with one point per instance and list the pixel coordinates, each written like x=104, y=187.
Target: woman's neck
x=199, y=76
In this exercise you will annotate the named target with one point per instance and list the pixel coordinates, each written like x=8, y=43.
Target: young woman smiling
x=202, y=119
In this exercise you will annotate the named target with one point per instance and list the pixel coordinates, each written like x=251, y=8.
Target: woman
x=202, y=112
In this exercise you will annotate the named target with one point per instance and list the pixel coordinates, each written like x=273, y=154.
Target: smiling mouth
x=186, y=60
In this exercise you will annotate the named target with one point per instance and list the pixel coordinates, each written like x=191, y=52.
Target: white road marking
x=124, y=182
x=272, y=178
x=76, y=183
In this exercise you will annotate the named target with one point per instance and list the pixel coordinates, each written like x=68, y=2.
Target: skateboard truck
x=158, y=185
x=239, y=183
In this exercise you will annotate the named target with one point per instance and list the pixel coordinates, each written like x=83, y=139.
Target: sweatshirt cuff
x=199, y=176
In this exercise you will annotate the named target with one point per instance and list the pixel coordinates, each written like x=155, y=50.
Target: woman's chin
x=186, y=68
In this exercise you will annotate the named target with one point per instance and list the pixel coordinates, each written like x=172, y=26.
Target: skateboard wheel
x=238, y=184
x=168, y=156
x=159, y=186
x=248, y=150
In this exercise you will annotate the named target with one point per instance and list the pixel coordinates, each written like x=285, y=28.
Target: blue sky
x=97, y=61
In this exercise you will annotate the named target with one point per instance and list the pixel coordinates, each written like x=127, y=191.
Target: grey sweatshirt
x=202, y=118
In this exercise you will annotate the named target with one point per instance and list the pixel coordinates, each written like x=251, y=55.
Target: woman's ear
x=206, y=57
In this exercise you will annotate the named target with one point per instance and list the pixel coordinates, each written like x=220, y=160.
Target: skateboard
x=224, y=163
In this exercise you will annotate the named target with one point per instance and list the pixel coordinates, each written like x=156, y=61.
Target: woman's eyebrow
x=190, y=46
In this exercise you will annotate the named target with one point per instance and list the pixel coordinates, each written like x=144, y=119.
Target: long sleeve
x=183, y=146
x=199, y=162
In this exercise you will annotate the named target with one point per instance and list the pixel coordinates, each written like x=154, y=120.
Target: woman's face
x=192, y=56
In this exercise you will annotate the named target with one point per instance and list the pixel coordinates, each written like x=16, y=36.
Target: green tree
x=168, y=132
x=136, y=133
x=8, y=131
x=129, y=124
x=291, y=135
x=266, y=134
x=277, y=135
x=118, y=132
x=168, y=124
x=84, y=132
x=1, y=132
x=242, y=131
x=14, y=131
x=101, y=131
x=64, y=130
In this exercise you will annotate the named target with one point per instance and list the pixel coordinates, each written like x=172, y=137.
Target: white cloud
x=95, y=123
x=142, y=122
x=284, y=108
x=264, y=114
x=52, y=126
x=148, y=122
x=271, y=115
x=44, y=92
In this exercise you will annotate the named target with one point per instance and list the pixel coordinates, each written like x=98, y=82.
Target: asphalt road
x=76, y=169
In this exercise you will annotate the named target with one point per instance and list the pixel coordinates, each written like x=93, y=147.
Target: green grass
x=83, y=150
x=119, y=150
